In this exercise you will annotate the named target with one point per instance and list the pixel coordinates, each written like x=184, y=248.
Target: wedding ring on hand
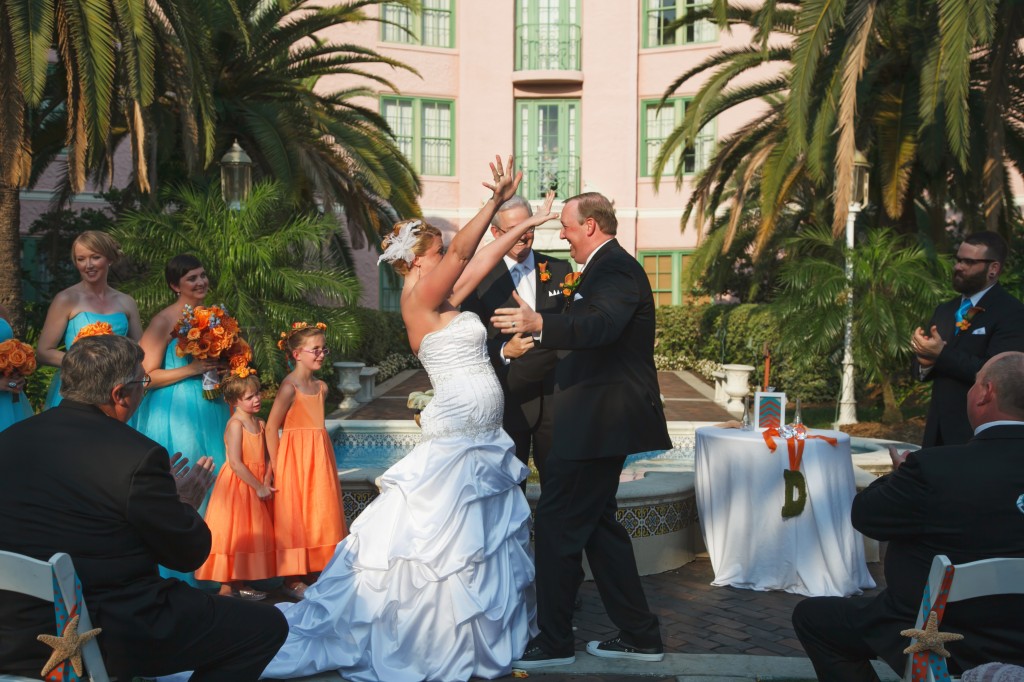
x=513, y=326
x=14, y=384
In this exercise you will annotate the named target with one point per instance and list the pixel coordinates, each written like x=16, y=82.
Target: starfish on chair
x=930, y=639
x=67, y=647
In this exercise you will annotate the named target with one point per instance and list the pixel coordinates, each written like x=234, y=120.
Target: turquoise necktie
x=961, y=312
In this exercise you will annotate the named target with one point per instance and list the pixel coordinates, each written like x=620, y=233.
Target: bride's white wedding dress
x=435, y=580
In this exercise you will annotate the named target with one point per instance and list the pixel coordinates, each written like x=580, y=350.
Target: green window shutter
x=547, y=146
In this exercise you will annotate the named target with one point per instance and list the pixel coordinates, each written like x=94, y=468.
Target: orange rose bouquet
x=207, y=333
x=94, y=329
x=17, y=360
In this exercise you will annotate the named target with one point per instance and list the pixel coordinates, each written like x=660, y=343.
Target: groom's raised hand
x=518, y=320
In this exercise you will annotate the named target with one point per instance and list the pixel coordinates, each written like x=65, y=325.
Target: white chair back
x=975, y=579
x=25, y=575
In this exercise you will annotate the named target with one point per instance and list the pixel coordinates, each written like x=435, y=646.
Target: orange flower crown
x=282, y=343
x=16, y=357
x=94, y=329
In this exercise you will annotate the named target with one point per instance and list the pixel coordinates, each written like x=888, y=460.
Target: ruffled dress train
x=435, y=579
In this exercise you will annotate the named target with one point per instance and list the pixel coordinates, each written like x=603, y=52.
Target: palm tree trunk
x=891, y=413
x=10, y=253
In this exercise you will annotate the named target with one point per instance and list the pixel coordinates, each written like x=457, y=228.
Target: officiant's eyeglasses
x=971, y=262
x=317, y=351
x=526, y=235
x=144, y=381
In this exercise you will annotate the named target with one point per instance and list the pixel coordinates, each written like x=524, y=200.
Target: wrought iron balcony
x=547, y=47
x=542, y=172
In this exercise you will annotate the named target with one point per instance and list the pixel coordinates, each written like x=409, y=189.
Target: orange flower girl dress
x=309, y=520
x=241, y=524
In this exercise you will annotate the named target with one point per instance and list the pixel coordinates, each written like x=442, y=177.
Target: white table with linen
x=740, y=493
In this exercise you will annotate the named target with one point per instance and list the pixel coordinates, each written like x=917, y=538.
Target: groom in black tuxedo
x=78, y=479
x=607, y=405
x=523, y=370
x=983, y=321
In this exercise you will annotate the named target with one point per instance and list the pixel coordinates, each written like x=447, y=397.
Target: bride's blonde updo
x=408, y=239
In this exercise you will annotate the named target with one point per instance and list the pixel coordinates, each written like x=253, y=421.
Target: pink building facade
x=571, y=87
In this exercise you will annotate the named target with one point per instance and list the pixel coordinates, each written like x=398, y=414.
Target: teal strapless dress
x=182, y=420
x=117, y=321
x=11, y=411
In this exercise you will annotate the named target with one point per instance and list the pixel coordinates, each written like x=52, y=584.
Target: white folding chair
x=976, y=579
x=25, y=575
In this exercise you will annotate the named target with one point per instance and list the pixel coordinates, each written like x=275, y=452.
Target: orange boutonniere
x=569, y=284
x=94, y=329
x=542, y=268
x=965, y=324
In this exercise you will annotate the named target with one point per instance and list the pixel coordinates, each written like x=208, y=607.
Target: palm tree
x=270, y=263
x=932, y=90
x=893, y=281
x=269, y=77
x=106, y=59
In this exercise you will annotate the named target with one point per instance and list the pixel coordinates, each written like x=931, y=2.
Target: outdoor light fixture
x=858, y=200
x=235, y=176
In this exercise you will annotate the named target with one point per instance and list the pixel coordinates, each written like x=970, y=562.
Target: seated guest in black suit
x=957, y=500
x=77, y=479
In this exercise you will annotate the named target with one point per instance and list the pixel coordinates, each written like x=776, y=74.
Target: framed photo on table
x=769, y=410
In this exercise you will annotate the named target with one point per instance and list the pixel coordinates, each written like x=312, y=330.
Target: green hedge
x=382, y=334
x=699, y=336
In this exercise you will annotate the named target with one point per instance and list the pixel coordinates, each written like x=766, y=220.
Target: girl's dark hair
x=179, y=266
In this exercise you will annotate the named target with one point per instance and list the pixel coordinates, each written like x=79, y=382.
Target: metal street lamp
x=235, y=176
x=858, y=200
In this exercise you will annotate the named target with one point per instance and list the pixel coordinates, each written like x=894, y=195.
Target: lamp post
x=235, y=176
x=858, y=200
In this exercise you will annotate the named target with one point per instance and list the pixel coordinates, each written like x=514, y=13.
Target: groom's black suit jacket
x=998, y=328
x=607, y=399
x=957, y=500
x=528, y=373
x=75, y=480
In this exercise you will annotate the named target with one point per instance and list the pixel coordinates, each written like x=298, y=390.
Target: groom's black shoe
x=536, y=657
x=616, y=648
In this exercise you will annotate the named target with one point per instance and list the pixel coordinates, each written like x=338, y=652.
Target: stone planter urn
x=737, y=378
x=367, y=383
x=718, y=376
x=348, y=383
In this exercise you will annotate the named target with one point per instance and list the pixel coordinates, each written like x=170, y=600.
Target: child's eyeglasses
x=317, y=351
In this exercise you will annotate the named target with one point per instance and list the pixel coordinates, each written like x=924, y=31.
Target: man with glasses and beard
x=983, y=321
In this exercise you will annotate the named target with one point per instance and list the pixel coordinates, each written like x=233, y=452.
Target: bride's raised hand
x=505, y=181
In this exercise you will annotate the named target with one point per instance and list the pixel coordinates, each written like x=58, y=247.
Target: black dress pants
x=228, y=640
x=836, y=648
x=576, y=511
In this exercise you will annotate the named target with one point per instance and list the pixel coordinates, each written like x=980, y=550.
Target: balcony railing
x=542, y=172
x=548, y=47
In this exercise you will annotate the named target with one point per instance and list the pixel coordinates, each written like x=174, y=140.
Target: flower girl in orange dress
x=239, y=512
x=309, y=520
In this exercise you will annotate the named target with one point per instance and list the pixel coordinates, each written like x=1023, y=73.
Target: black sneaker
x=536, y=657
x=616, y=648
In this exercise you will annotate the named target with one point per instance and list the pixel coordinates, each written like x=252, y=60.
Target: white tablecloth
x=740, y=491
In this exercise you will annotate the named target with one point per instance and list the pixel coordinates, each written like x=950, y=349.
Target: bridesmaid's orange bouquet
x=207, y=333
x=16, y=358
x=94, y=329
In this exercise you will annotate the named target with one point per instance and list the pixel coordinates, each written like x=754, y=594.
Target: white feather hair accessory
x=399, y=246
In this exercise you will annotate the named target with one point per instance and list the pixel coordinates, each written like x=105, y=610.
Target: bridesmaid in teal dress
x=90, y=300
x=174, y=412
x=11, y=411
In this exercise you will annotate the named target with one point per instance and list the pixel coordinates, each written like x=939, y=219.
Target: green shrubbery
x=383, y=343
x=700, y=337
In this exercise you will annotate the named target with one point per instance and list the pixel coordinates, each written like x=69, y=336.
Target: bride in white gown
x=435, y=579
